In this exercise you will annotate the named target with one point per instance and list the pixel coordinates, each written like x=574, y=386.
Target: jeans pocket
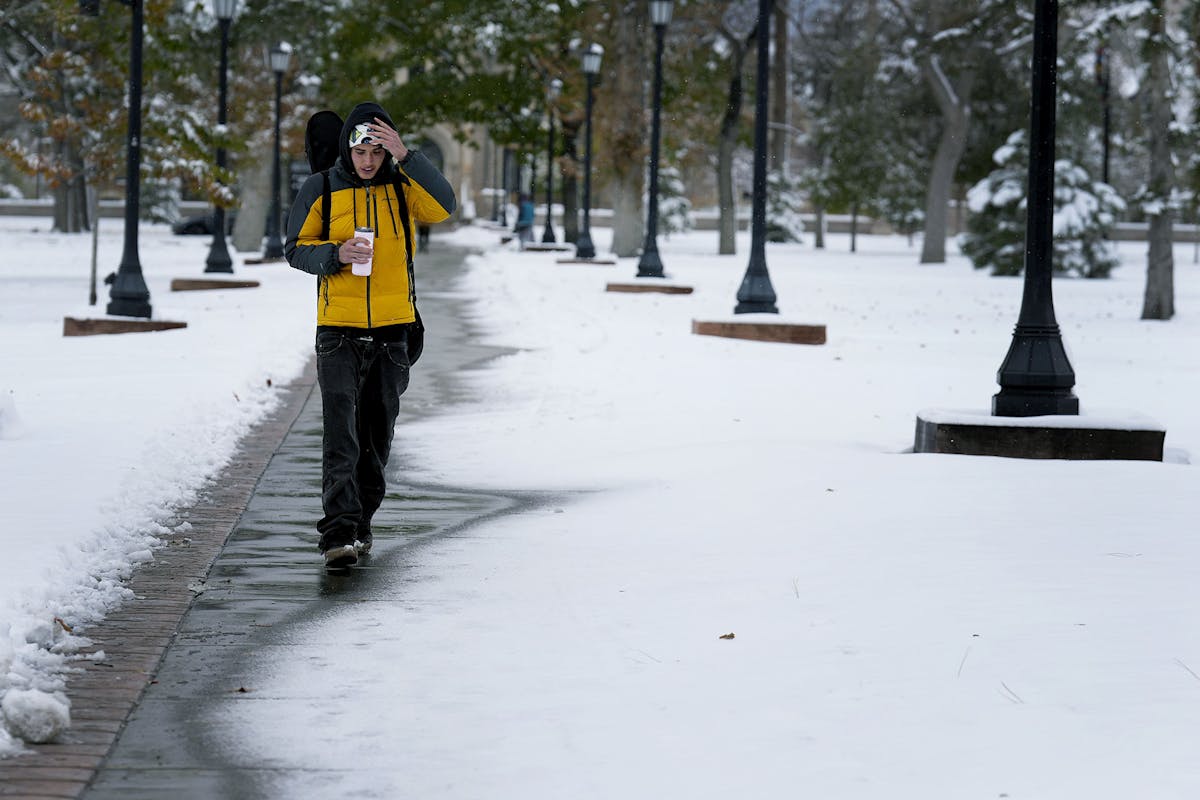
x=328, y=343
x=397, y=353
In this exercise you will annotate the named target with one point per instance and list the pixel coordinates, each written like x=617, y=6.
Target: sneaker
x=362, y=542
x=344, y=555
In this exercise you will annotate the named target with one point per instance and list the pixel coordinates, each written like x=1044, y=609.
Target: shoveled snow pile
x=34, y=715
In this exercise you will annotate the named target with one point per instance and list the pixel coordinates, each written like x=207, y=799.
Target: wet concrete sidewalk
x=183, y=648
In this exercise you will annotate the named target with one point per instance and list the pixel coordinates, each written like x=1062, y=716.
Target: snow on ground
x=102, y=438
x=748, y=586
x=903, y=625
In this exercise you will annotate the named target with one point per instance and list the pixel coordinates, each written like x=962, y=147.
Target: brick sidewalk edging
x=135, y=636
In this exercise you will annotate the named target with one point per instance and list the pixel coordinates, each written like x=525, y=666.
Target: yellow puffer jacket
x=386, y=296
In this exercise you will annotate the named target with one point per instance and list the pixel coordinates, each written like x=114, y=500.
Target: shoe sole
x=344, y=556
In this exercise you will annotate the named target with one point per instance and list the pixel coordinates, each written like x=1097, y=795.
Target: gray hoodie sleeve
x=305, y=220
x=421, y=171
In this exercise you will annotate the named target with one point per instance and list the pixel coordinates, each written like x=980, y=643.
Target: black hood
x=363, y=112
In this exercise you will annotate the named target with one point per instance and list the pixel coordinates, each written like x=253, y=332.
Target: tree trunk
x=781, y=129
x=1159, y=302
x=726, y=199
x=70, y=207
x=625, y=146
x=254, y=192
x=819, y=235
x=854, y=227
x=70, y=197
x=629, y=232
x=954, y=102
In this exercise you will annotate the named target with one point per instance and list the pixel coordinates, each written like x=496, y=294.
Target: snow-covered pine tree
x=1084, y=213
x=674, y=209
x=784, y=203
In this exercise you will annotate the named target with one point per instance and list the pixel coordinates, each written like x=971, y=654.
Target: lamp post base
x=584, y=247
x=647, y=288
x=96, y=327
x=650, y=265
x=786, y=332
x=756, y=295
x=218, y=258
x=1123, y=436
x=129, y=296
x=756, y=307
x=1034, y=403
x=1036, y=377
x=128, y=308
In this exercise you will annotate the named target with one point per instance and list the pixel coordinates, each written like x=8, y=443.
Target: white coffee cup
x=368, y=234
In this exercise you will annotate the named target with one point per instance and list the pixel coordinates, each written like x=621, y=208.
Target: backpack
x=321, y=146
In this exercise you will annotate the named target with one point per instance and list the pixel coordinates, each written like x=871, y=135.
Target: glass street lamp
x=756, y=295
x=552, y=92
x=280, y=59
x=591, y=67
x=218, y=254
x=650, y=265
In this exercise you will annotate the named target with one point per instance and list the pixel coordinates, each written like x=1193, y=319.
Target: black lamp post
x=552, y=92
x=1036, y=377
x=505, y=183
x=756, y=295
x=129, y=296
x=650, y=265
x=495, y=184
x=280, y=59
x=591, y=66
x=218, y=254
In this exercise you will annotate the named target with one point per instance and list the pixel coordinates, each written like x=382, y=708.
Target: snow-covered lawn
x=103, y=437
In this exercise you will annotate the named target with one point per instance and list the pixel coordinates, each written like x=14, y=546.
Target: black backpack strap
x=408, y=249
x=403, y=203
x=326, y=205
x=416, y=338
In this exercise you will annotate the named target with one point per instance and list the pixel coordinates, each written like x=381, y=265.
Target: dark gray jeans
x=361, y=382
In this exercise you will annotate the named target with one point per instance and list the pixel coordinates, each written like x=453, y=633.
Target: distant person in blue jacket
x=524, y=227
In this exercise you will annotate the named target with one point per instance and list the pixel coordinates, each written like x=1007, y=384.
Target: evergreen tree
x=1084, y=213
x=674, y=208
x=901, y=198
x=784, y=204
x=1155, y=49
x=1086, y=209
